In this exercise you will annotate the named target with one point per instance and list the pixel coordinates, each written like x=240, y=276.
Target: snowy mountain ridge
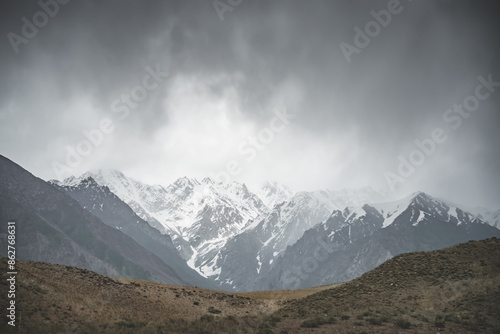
x=217, y=227
x=202, y=216
x=358, y=239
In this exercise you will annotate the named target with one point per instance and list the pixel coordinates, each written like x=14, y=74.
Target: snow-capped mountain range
x=203, y=216
x=225, y=236
x=112, y=211
x=357, y=239
x=240, y=238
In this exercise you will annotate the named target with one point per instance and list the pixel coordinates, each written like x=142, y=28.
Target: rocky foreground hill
x=455, y=290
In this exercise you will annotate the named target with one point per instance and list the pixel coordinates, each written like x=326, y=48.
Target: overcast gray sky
x=228, y=78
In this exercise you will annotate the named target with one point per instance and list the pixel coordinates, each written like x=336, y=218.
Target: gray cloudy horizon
x=222, y=82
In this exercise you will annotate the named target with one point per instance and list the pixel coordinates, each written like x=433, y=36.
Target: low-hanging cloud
x=226, y=79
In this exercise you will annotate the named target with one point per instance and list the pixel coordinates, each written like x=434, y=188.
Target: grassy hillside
x=456, y=290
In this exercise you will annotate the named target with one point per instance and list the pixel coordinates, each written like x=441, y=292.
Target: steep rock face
x=356, y=240
x=143, y=199
x=105, y=205
x=52, y=227
x=265, y=240
x=200, y=216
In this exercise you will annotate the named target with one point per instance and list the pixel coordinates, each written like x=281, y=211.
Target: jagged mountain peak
x=422, y=207
x=186, y=182
x=207, y=180
x=88, y=182
x=69, y=181
x=99, y=176
x=353, y=211
x=423, y=200
x=104, y=173
x=421, y=196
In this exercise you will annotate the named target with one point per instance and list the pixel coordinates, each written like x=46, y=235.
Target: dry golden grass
x=456, y=290
x=280, y=295
x=61, y=298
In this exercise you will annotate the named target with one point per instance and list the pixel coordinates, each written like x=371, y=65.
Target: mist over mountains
x=226, y=236
x=216, y=87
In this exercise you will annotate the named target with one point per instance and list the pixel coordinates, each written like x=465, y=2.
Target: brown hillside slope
x=456, y=290
x=54, y=298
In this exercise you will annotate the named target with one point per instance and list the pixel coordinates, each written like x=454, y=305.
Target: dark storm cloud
x=226, y=78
